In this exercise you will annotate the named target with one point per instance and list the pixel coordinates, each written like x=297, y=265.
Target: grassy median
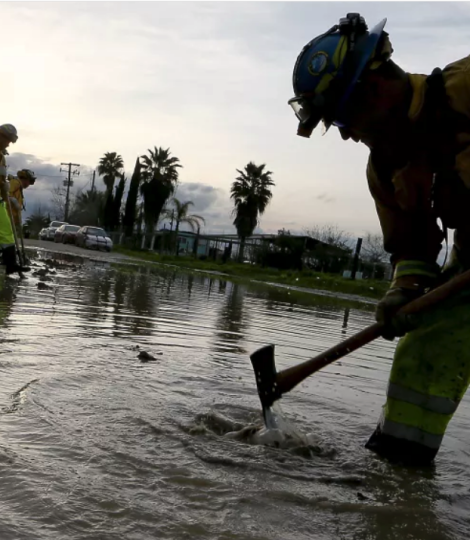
x=304, y=278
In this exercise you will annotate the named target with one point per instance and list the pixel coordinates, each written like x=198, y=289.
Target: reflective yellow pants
x=6, y=232
x=430, y=375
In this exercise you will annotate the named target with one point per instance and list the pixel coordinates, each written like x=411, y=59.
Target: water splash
x=279, y=431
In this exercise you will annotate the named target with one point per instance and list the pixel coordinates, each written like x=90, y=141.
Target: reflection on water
x=345, y=320
x=231, y=320
x=95, y=444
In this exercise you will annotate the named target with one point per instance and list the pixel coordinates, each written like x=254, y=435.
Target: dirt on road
x=75, y=250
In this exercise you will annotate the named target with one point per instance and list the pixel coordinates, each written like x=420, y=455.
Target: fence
x=284, y=253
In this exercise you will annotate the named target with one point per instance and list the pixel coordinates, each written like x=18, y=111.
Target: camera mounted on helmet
x=351, y=25
x=327, y=70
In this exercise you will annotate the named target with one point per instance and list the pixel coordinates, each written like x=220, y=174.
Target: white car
x=49, y=233
x=93, y=238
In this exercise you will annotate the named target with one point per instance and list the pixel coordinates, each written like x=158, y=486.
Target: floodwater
x=95, y=444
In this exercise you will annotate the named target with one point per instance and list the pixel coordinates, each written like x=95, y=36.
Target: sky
x=210, y=81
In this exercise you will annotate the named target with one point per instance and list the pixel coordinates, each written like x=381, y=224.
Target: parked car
x=93, y=238
x=50, y=231
x=43, y=234
x=66, y=234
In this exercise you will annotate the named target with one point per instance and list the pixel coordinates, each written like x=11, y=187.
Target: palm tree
x=160, y=161
x=89, y=208
x=160, y=175
x=180, y=214
x=109, y=168
x=251, y=193
x=35, y=222
x=89, y=197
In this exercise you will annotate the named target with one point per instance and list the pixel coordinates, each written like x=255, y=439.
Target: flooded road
x=96, y=444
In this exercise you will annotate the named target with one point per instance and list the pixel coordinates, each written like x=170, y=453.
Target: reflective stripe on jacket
x=430, y=375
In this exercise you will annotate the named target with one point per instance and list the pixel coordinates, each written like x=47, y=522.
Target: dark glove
x=411, y=279
x=386, y=312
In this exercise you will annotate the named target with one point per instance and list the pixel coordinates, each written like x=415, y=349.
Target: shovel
x=26, y=261
x=272, y=385
x=15, y=235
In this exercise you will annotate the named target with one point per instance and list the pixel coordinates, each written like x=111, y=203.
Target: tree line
x=151, y=199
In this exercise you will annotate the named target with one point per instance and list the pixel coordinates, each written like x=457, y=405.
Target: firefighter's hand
x=386, y=312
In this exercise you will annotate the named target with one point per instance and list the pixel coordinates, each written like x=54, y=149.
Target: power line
x=49, y=176
x=58, y=175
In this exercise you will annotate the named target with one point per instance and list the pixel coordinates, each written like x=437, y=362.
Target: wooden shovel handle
x=291, y=377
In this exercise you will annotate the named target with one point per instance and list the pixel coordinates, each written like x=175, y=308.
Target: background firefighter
x=418, y=130
x=23, y=180
x=8, y=135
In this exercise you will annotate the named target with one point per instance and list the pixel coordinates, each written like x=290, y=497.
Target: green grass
x=305, y=278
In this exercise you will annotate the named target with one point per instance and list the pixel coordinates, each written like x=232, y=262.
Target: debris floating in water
x=144, y=356
x=43, y=286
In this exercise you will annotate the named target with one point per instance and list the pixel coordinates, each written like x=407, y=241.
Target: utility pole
x=356, y=258
x=171, y=231
x=68, y=183
x=93, y=182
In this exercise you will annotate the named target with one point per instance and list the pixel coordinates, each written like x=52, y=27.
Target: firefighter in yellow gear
x=8, y=135
x=417, y=128
x=23, y=180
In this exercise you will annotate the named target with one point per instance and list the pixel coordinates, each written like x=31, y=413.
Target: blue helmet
x=327, y=70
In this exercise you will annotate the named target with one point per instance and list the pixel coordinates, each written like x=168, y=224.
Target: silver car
x=93, y=238
x=53, y=226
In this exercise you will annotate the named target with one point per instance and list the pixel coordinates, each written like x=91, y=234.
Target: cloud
x=202, y=195
x=18, y=160
x=324, y=197
x=49, y=176
x=212, y=203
